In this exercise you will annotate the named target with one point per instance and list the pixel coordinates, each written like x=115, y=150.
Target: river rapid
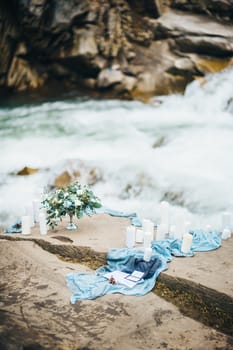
x=177, y=148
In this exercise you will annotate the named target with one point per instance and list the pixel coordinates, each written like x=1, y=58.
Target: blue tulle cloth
x=205, y=241
x=132, y=216
x=15, y=228
x=93, y=285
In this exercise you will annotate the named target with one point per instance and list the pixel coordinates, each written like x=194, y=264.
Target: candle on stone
x=36, y=210
x=164, y=209
x=226, y=233
x=26, y=225
x=172, y=231
x=187, y=226
x=226, y=220
x=180, y=226
x=147, y=254
x=148, y=226
x=144, y=224
x=130, y=237
x=139, y=236
x=29, y=212
x=42, y=224
x=161, y=232
x=186, y=242
x=148, y=238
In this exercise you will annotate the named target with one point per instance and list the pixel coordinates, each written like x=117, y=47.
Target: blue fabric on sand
x=202, y=242
x=132, y=216
x=92, y=285
x=15, y=228
x=205, y=241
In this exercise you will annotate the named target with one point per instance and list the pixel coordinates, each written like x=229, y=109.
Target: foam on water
x=178, y=150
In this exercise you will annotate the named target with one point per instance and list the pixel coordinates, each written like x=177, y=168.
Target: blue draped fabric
x=132, y=216
x=93, y=285
x=205, y=241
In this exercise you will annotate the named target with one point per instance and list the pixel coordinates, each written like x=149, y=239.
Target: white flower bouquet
x=73, y=200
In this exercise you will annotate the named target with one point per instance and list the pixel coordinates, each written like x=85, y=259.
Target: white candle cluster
x=144, y=235
x=34, y=214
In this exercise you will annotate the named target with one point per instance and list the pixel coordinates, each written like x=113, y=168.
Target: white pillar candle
x=187, y=226
x=42, y=224
x=180, y=226
x=130, y=237
x=172, y=231
x=164, y=210
x=208, y=228
x=139, y=236
x=226, y=233
x=36, y=210
x=147, y=226
x=226, y=220
x=144, y=223
x=147, y=254
x=29, y=212
x=148, y=238
x=186, y=243
x=26, y=225
x=161, y=232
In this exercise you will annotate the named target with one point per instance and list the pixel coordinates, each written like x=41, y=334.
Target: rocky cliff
x=122, y=48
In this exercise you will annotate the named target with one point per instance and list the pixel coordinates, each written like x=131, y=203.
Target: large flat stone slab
x=213, y=269
x=201, y=286
x=35, y=312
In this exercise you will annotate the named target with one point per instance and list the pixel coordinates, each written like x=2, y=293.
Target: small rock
x=146, y=82
x=129, y=83
x=84, y=44
x=22, y=76
x=161, y=141
x=93, y=176
x=109, y=77
x=90, y=83
x=230, y=105
x=63, y=180
x=85, y=174
x=174, y=198
x=27, y=171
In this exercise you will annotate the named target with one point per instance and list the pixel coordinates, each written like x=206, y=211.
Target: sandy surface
x=35, y=308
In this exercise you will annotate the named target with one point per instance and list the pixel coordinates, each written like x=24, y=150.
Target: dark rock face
x=220, y=9
x=123, y=48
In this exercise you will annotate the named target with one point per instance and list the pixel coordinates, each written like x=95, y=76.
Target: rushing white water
x=179, y=150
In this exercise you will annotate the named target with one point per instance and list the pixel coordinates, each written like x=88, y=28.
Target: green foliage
x=73, y=200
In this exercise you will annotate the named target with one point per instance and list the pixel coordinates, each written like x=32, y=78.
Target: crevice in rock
x=67, y=252
x=205, y=305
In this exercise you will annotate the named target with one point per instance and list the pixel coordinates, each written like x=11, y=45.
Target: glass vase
x=71, y=225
